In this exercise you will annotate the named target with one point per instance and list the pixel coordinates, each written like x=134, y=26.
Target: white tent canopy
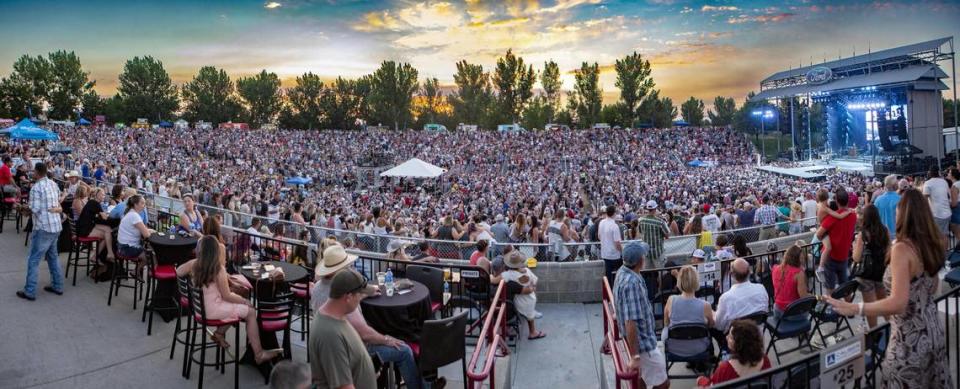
x=414, y=168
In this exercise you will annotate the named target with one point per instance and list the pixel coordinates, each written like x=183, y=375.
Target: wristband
x=860, y=308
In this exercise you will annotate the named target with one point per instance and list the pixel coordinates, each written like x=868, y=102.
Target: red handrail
x=613, y=342
x=490, y=338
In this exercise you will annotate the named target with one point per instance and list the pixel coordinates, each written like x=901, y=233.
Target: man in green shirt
x=338, y=358
x=654, y=230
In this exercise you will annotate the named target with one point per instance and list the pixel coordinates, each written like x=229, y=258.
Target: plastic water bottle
x=388, y=282
x=446, y=287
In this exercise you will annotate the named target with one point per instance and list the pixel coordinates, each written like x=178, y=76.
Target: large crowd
x=526, y=178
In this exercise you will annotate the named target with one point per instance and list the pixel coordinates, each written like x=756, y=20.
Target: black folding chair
x=825, y=314
x=687, y=333
x=785, y=329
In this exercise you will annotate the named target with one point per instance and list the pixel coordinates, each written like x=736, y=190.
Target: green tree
x=92, y=104
x=67, y=82
x=537, y=114
x=27, y=87
x=692, y=111
x=657, y=111
x=146, y=90
x=261, y=93
x=306, y=102
x=590, y=96
x=114, y=109
x=431, y=101
x=473, y=96
x=573, y=101
x=634, y=82
x=948, y=117
x=615, y=114
x=513, y=82
x=724, y=109
x=550, y=81
x=210, y=97
x=391, y=92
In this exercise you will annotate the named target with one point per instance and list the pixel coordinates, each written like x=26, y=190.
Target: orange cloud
x=721, y=8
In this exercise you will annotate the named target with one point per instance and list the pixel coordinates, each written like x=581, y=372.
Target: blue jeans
x=403, y=357
x=43, y=244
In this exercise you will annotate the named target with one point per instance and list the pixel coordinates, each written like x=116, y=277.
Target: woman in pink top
x=479, y=257
x=789, y=281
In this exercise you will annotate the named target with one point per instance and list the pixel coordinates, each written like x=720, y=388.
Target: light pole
x=764, y=114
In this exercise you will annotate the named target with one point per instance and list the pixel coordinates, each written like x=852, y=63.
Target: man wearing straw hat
x=336, y=260
x=635, y=318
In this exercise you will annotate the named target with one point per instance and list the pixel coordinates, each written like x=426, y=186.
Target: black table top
x=157, y=240
x=291, y=273
x=417, y=294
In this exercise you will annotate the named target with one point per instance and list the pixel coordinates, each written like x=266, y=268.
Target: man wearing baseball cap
x=338, y=357
x=653, y=230
x=635, y=318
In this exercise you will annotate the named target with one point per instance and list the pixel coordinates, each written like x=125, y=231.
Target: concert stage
x=815, y=170
x=883, y=108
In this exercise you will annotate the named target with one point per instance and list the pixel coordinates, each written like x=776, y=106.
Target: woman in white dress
x=526, y=301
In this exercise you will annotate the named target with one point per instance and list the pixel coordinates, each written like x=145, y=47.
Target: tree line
x=393, y=95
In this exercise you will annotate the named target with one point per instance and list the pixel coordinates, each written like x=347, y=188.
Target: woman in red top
x=746, y=355
x=479, y=257
x=789, y=280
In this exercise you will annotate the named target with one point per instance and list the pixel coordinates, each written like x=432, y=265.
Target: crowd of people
x=627, y=185
x=546, y=187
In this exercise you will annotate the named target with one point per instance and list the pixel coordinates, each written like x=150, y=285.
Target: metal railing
x=491, y=342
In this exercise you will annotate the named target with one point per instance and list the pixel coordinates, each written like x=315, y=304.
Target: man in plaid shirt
x=767, y=217
x=45, y=204
x=635, y=318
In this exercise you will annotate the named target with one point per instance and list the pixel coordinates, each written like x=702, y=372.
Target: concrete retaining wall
x=579, y=282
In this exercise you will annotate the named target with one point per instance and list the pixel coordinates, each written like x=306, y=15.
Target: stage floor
x=813, y=170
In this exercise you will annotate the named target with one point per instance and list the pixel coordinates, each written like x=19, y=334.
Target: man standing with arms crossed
x=45, y=204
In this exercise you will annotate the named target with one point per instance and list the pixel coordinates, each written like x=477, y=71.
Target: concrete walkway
x=567, y=357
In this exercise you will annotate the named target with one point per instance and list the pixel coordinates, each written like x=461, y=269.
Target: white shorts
x=653, y=368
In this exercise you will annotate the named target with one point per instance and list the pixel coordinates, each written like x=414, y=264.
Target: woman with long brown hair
x=870, y=253
x=916, y=331
x=209, y=273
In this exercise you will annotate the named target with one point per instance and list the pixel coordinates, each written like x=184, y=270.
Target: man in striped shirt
x=654, y=230
x=45, y=205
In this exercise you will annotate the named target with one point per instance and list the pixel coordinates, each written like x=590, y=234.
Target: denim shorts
x=955, y=215
x=836, y=273
x=129, y=251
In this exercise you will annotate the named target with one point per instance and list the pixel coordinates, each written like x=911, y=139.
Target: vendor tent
x=166, y=124
x=83, y=122
x=298, y=180
x=414, y=168
x=26, y=130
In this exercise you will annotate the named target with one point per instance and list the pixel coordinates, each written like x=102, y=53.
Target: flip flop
x=538, y=335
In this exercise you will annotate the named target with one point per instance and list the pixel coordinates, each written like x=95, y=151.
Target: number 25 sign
x=842, y=364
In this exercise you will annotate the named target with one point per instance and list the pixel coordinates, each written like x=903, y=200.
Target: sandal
x=266, y=355
x=538, y=335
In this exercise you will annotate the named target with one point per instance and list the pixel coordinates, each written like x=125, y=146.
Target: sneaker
x=23, y=295
x=537, y=315
x=817, y=343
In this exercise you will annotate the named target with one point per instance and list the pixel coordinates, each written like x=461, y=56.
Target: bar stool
x=201, y=322
x=121, y=272
x=9, y=211
x=82, y=245
x=301, y=297
x=184, y=287
x=156, y=273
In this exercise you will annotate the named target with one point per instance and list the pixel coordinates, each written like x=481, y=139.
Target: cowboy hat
x=334, y=259
x=515, y=260
x=71, y=174
x=396, y=244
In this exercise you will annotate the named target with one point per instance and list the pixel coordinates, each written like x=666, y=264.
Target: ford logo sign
x=819, y=75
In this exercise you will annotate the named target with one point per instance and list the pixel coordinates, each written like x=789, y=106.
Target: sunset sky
x=697, y=48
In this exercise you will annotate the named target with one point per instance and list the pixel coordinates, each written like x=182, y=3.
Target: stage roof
x=864, y=58
x=908, y=74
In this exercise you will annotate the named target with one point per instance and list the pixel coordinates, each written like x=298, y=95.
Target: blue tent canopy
x=166, y=124
x=695, y=163
x=26, y=130
x=298, y=180
x=83, y=122
x=680, y=123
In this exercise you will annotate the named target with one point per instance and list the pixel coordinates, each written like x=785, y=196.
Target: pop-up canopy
x=414, y=168
x=26, y=130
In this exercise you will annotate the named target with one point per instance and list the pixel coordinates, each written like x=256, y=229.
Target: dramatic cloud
x=272, y=5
